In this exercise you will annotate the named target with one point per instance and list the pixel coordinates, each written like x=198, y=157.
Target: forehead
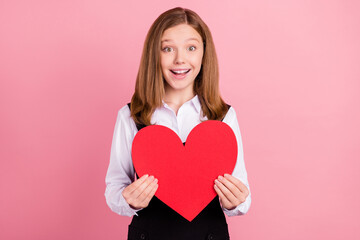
x=180, y=33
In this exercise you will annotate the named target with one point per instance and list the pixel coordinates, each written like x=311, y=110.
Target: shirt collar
x=195, y=101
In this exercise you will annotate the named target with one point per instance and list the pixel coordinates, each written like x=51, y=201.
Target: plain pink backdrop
x=289, y=68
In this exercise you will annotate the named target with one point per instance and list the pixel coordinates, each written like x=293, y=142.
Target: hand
x=139, y=193
x=231, y=191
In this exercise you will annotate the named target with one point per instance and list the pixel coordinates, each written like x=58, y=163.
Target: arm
x=239, y=171
x=120, y=172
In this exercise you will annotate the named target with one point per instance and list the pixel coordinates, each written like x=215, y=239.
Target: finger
x=150, y=195
x=231, y=186
x=147, y=190
x=237, y=183
x=135, y=194
x=223, y=199
x=229, y=196
x=136, y=184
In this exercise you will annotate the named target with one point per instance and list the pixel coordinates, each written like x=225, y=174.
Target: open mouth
x=180, y=72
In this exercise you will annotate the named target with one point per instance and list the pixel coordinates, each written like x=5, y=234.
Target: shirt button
x=142, y=236
x=210, y=237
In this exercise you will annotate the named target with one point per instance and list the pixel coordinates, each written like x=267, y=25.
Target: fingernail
x=226, y=175
x=151, y=177
x=216, y=181
x=146, y=175
x=156, y=180
x=220, y=178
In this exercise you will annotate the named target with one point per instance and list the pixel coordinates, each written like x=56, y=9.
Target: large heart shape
x=186, y=173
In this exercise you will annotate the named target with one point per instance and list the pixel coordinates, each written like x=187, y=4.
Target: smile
x=180, y=74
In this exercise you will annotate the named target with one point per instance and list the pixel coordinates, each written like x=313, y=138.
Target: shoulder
x=124, y=111
x=230, y=115
x=231, y=118
x=124, y=118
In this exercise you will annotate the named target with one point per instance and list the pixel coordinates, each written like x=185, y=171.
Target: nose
x=179, y=57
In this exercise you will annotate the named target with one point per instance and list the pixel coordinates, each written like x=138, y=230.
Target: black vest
x=160, y=222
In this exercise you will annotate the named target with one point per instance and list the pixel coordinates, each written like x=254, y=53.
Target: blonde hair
x=149, y=87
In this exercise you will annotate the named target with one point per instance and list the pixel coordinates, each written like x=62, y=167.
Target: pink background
x=289, y=68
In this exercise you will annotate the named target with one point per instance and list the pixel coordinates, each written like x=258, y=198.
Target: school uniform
x=158, y=221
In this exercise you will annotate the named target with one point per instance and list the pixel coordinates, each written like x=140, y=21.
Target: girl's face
x=181, y=57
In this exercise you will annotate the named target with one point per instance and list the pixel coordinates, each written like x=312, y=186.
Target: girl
x=177, y=87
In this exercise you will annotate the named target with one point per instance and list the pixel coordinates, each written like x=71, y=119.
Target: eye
x=192, y=47
x=164, y=49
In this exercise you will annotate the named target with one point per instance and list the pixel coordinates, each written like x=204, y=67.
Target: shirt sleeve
x=239, y=170
x=120, y=171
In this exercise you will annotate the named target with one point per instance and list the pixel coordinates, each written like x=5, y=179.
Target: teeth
x=182, y=71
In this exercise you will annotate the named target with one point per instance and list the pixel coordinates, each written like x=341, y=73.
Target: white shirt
x=121, y=173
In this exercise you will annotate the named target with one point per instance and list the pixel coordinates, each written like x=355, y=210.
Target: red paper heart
x=186, y=174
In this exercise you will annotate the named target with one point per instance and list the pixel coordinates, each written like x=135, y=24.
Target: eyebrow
x=168, y=40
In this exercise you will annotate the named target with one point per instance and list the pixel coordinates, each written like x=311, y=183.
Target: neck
x=178, y=98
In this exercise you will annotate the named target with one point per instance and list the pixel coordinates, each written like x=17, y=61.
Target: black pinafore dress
x=160, y=222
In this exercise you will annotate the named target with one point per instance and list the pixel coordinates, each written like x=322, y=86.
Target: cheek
x=165, y=57
x=164, y=62
x=198, y=59
x=197, y=62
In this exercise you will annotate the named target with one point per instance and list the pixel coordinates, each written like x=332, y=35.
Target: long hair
x=149, y=87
